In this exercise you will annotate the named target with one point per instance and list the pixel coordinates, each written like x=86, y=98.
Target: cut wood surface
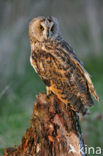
x=54, y=131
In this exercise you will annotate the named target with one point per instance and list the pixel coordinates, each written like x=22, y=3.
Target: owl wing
x=65, y=75
x=81, y=68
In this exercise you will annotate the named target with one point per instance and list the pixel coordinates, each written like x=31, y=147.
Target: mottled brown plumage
x=58, y=66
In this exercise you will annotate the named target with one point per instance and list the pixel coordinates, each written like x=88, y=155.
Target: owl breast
x=42, y=63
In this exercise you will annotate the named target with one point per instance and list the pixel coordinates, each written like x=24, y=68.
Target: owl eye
x=41, y=28
x=52, y=28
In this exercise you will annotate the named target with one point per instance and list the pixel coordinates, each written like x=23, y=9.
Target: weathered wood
x=54, y=131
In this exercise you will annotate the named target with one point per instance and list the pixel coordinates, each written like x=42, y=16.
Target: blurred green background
x=81, y=24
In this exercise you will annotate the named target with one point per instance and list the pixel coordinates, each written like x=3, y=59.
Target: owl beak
x=46, y=34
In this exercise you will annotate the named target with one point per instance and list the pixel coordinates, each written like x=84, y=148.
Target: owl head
x=44, y=29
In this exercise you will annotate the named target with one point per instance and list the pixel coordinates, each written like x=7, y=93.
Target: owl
x=58, y=66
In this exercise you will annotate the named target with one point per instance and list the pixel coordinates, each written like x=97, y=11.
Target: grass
x=17, y=103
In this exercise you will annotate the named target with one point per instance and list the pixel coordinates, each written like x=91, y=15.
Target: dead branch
x=54, y=131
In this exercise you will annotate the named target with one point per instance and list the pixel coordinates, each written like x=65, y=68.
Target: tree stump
x=54, y=131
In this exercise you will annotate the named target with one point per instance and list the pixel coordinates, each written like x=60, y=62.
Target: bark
x=54, y=131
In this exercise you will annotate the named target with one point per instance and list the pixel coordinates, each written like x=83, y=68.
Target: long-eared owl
x=58, y=66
